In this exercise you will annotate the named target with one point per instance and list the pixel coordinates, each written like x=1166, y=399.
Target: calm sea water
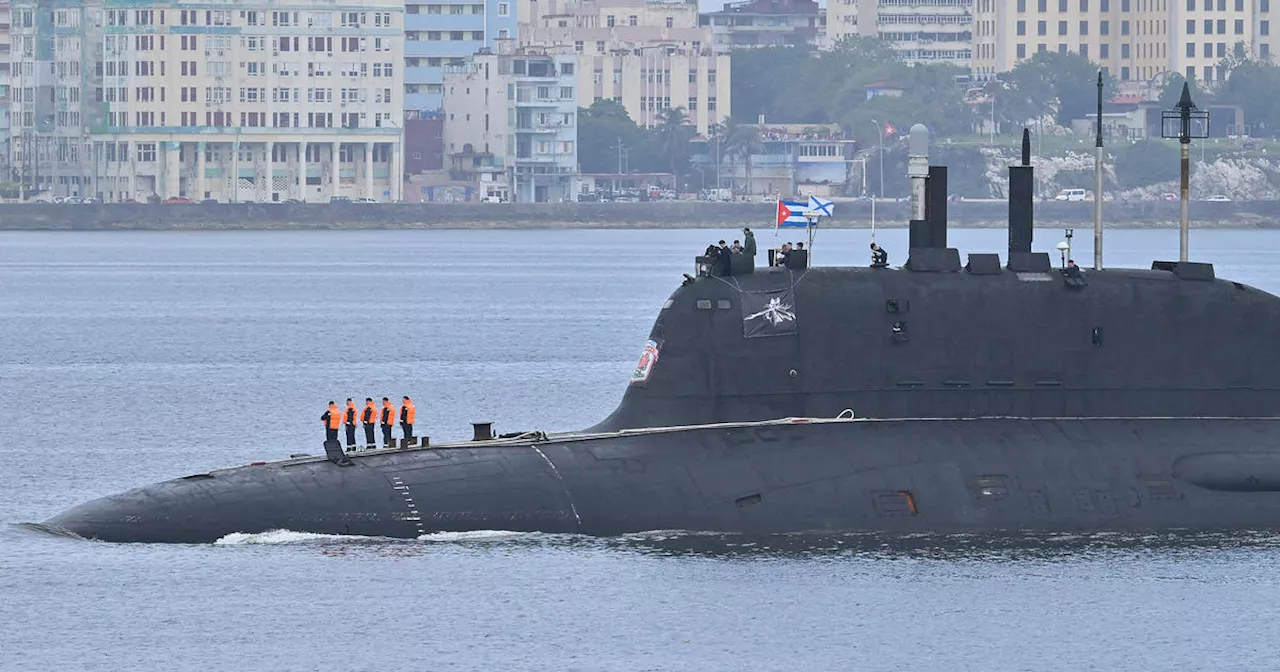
x=128, y=358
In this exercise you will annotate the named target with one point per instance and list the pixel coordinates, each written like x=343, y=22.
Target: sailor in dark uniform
x=879, y=258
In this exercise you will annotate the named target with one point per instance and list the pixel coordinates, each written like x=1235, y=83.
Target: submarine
x=997, y=395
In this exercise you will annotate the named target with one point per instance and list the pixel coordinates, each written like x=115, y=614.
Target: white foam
x=479, y=535
x=275, y=537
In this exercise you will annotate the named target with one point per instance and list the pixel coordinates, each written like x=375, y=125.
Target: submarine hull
x=797, y=475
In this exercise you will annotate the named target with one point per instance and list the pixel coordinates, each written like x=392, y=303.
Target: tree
x=1251, y=85
x=672, y=135
x=759, y=75
x=1173, y=92
x=1146, y=162
x=1065, y=84
x=740, y=141
x=601, y=128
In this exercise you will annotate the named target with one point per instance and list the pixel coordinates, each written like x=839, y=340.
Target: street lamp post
x=1184, y=113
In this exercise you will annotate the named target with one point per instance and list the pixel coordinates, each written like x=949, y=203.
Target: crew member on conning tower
x=332, y=420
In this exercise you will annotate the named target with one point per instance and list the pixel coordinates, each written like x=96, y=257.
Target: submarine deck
x=534, y=437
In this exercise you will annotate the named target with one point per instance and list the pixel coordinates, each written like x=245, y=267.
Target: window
x=608, y=20
x=146, y=151
x=1022, y=51
x=1265, y=5
x=1222, y=50
x=566, y=68
x=1022, y=27
x=1239, y=26
x=1042, y=27
x=1104, y=51
x=1084, y=5
x=504, y=9
x=1191, y=26
x=1042, y=5
x=1062, y=27
x=1264, y=27
x=1104, y=27
x=1208, y=26
x=1265, y=49
x=670, y=22
x=1208, y=49
x=1239, y=5
x=1124, y=28
x=1191, y=5
x=1062, y=48
x=1124, y=51
x=566, y=93
x=1084, y=27
x=1104, y=5
x=711, y=103
x=577, y=46
x=1222, y=26
x=1191, y=49
x=1084, y=50
x=1062, y=5
x=1124, y=73
x=631, y=20
x=1022, y=6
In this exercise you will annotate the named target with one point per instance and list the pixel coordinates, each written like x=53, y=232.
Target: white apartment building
x=264, y=101
x=1135, y=40
x=648, y=55
x=511, y=124
x=921, y=31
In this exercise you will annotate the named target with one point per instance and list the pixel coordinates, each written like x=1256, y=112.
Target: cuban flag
x=791, y=213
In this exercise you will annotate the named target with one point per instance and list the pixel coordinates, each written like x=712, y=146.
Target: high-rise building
x=261, y=101
x=438, y=34
x=766, y=23
x=920, y=31
x=1135, y=40
x=511, y=124
x=6, y=52
x=649, y=55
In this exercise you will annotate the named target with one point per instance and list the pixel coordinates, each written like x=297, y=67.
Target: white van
x=1070, y=195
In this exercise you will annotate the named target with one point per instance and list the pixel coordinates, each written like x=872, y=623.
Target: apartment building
x=264, y=101
x=766, y=23
x=921, y=31
x=440, y=33
x=649, y=55
x=511, y=124
x=6, y=52
x=1135, y=40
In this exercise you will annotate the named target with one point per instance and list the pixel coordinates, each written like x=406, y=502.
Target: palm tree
x=743, y=141
x=673, y=133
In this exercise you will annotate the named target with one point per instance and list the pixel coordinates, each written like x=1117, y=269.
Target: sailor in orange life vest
x=406, y=417
x=332, y=420
x=388, y=420
x=369, y=418
x=349, y=421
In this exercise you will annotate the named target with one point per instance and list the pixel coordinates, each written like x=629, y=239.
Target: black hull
x=862, y=475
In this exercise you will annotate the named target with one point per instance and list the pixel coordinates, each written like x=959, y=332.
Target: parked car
x=1217, y=198
x=339, y=199
x=209, y=201
x=364, y=200
x=492, y=198
x=178, y=200
x=1070, y=195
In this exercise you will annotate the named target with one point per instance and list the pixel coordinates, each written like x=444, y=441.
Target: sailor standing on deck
x=332, y=420
x=406, y=417
x=749, y=243
x=388, y=421
x=349, y=420
x=369, y=417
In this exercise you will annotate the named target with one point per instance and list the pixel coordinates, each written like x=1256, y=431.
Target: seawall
x=680, y=214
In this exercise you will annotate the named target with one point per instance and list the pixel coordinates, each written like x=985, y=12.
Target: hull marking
x=413, y=516
x=556, y=472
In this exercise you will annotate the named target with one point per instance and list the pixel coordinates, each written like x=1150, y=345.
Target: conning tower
x=938, y=340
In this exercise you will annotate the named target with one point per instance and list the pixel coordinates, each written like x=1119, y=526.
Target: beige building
x=511, y=124
x=648, y=55
x=922, y=31
x=1135, y=40
x=263, y=101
